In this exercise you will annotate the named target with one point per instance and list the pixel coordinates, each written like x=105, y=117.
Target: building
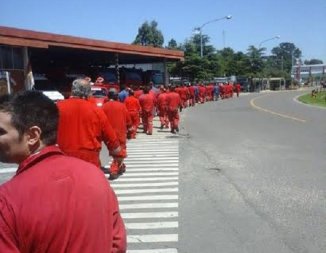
x=27, y=55
x=309, y=73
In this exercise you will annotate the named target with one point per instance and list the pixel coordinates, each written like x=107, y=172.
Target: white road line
x=169, y=250
x=8, y=170
x=152, y=169
x=152, y=238
x=148, y=173
x=136, y=191
x=117, y=185
x=122, y=179
x=170, y=155
x=149, y=165
x=148, y=205
x=152, y=225
x=157, y=159
x=148, y=197
x=149, y=215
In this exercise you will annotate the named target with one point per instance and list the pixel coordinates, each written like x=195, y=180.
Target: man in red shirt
x=134, y=109
x=83, y=127
x=54, y=203
x=238, y=89
x=162, y=110
x=119, y=119
x=173, y=102
x=147, y=106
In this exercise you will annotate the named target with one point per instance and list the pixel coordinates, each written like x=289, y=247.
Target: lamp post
x=275, y=37
x=200, y=28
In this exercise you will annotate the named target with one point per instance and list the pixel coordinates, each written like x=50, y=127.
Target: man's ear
x=34, y=135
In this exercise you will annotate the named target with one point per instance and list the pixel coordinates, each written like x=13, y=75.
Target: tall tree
x=288, y=52
x=172, y=44
x=313, y=61
x=255, y=61
x=149, y=35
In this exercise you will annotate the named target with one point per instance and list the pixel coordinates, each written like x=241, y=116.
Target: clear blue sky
x=302, y=22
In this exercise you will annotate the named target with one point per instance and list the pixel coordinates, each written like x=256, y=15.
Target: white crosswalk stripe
x=148, y=194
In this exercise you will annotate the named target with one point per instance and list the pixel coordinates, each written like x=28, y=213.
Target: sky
x=302, y=22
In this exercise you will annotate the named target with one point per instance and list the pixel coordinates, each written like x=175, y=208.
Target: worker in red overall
x=54, y=203
x=119, y=119
x=147, y=110
x=191, y=99
x=184, y=95
x=83, y=127
x=162, y=109
x=202, y=93
x=173, y=102
x=133, y=107
x=238, y=89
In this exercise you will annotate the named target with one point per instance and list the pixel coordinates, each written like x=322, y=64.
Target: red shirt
x=59, y=204
x=119, y=119
x=173, y=101
x=191, y=91
x=161, y=101
x=146, y=102
x=138, y=93
x=132, y=104
x=82, y=128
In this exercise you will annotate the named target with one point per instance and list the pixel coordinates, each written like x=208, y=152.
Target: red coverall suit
x=173, y=103
x=59, y=204
x=162, y=108
x=202, y=93
x=192, y=100
x=147, y=106
x=119, y=119
x=138, y=93
x=184, y=95
x=237, y=89
x=82, y=128
x=133, y=107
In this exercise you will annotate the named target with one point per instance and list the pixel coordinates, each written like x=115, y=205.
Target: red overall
x=119, y=119
x=82, y=128
x=134, y=109
x=59, y=204
x=162, y=109
x=173, y=103
x=147, y=106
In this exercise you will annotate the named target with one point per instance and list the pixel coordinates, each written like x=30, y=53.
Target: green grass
x=319, y=100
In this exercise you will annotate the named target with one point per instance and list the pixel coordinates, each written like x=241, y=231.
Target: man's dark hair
x=146, y=89
x=113, y=94
x=32, y=108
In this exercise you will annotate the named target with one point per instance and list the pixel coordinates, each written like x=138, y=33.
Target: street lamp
x=275, y=37
x=200, y=28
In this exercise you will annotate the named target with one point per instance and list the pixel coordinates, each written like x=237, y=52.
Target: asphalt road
x=252, y=176
x=252, y=173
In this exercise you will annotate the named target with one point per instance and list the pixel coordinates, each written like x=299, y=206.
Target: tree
x=287, y=52
x=172, y=44
x=313, y=61
x=255, y=61
x=149, y=35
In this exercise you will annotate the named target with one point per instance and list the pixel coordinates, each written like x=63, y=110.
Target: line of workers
x=83, y=125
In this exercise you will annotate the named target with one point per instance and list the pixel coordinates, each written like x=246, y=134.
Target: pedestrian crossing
x=148, y=193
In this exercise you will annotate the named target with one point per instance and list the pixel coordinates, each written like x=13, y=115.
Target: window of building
x=11, y=57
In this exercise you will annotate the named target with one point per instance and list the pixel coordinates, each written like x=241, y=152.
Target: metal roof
x=127, y=53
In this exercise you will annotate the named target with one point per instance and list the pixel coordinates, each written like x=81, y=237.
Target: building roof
x=33, y=39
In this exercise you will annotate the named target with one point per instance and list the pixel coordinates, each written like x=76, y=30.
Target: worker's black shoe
x=113, y=176
x=105, y=170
